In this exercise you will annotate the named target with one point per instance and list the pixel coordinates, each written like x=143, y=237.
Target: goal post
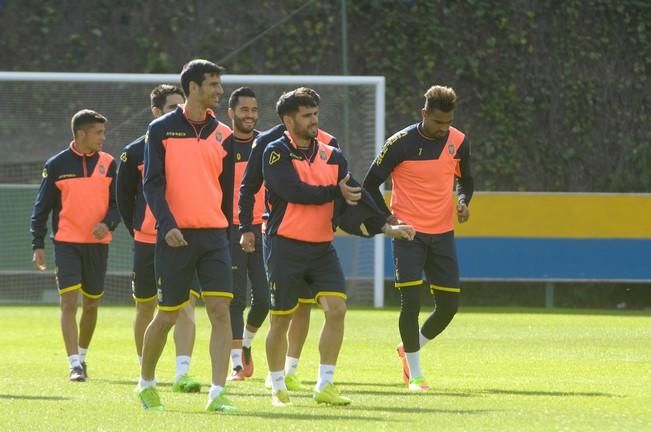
x=34, y=123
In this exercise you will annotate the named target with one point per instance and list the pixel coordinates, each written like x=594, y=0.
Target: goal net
x=35, y=124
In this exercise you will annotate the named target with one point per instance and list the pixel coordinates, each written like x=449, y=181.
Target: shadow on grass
x=132, y=382
x=553, y=311
x=288, y=414
x=549, y=393
x=27, y=397
x=401, y=391
x=368, y=384
x=420, y=410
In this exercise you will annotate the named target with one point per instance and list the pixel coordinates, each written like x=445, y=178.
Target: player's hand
x=401, y=232
x=393, y=220
x=39, y=259
x=351, y=194
x=174, y=238
x=100, y=231
x=247, y=241
x=463, y=213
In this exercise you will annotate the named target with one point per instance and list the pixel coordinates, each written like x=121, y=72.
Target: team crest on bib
x=102, y=170
x=451, y=149
x=218, y=137
x=323, y=155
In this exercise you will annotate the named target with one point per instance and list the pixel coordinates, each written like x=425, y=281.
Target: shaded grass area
x=493, y=369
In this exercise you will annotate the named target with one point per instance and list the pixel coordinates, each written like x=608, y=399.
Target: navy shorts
x=143, y=277
x=296, y=267
x=306, y=293
x=433, y=254
x=249, y=265
x=81, y=266
x=207, y=254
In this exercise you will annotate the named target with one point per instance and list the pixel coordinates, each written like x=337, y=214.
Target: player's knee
x=237, y=305
x=90, y=305
x=68, y=308
x=166, y=319
x=279, y=323
x=303, y=311
x=218, y=310
x=146, y=308
x=410, y=300
x=334, y=308
x=259, y=310
x=186, y=314
x=448, y=305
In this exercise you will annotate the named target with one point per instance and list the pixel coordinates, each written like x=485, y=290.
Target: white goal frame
x=377, y=81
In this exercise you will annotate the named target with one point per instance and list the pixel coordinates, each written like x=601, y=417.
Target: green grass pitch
x=492, y=370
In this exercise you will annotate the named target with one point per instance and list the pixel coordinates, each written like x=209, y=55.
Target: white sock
x=143, y=383
x=215, y=390
x=291, y=364
x=236, y=357
x=278, y=381
x=82, y=353
x=413, y=360
x=326, y=376
x=247, y=338
x=182, y=366
x=74, y=361
x=422, y=340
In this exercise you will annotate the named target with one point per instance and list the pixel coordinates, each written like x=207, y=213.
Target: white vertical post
x=378, y=277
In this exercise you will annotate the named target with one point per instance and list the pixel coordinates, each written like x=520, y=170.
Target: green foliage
x=553, y=95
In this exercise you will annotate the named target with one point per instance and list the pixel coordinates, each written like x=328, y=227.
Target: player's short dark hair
x=84, y=118
x=196, y=70
x=159, y=94
x=289, y=102
x=234, y=99
x=440, y=98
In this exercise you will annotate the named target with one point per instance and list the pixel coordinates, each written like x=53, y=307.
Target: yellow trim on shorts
x=174, y=308
x=195, y=293
x=307, y=300
x=285, y=312
x=440, y=288
x=70, y=288
x=408, y=284
x=330, y=293
x=143, y=300
x=216, y=294
x=91, y=296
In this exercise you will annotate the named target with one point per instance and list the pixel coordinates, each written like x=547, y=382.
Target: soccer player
x=424, y=160
x=243, y=112
x=304, y=177
x=77, y=187
x=184, y=161
x=138, y=219
x=249, y=196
